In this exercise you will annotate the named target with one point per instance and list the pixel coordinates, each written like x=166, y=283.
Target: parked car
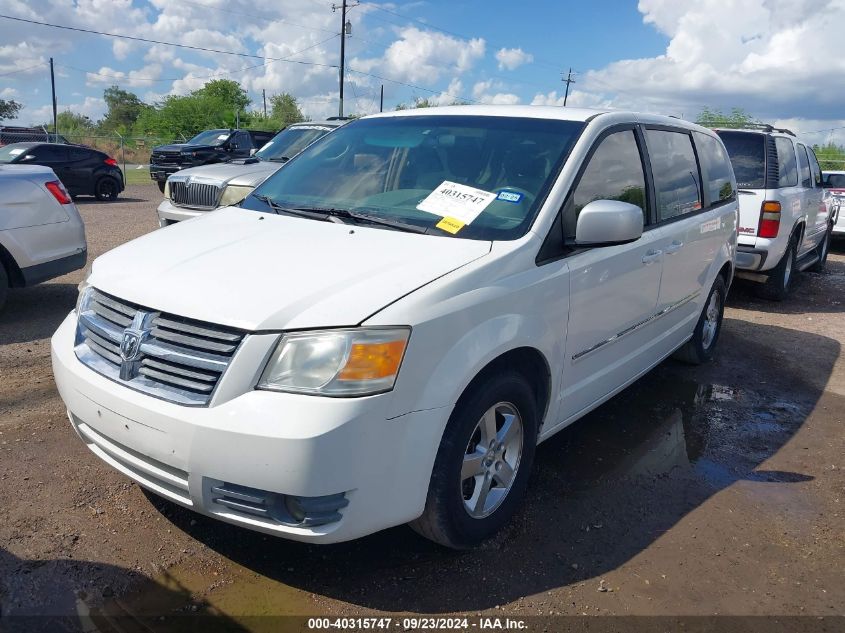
x=834, y=196
x=210, y=146
x=82, y=170
x=192, y=192
x=385, y=329
x=41, y=233
x=784, y=224
x=16, y=134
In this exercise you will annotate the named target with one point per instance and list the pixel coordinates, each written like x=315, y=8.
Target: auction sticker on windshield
x=456, y=201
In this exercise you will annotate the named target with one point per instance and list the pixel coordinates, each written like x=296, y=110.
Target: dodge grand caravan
x=385, y=329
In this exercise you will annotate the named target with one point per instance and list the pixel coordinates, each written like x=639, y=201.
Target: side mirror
x=608, y=222
x=28, y=157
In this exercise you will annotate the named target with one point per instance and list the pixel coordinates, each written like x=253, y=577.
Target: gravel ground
x=697, y=491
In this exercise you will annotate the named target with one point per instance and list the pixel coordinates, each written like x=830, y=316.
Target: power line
x=407, y=85
x=23, y=70
x=127, y=77
x=149, y=41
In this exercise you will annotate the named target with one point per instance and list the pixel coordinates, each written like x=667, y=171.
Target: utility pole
x=381, y=100
x=345, y=29
x=55, y=114
x=567, y=81
x=264, y=96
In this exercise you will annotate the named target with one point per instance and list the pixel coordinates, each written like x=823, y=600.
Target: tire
x=823, y=249
x=777, y=286
x=106, y=189
x=455, y=514
x=4, y=286
x=160, y=184
x=699, y=349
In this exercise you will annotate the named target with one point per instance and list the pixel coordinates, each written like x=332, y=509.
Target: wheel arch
x=13, y=271
x=530, y=362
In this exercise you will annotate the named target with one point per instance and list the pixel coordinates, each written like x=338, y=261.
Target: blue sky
x=776, y=58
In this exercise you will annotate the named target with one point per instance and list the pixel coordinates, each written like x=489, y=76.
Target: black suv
x=211, y=146
x=82, y=170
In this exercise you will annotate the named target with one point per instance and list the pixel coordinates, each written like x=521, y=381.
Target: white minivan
x=386, y=328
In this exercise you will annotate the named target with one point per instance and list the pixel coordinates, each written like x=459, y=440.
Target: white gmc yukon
x=387, y=327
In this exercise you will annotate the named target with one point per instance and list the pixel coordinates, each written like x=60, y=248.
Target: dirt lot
x=698, y=491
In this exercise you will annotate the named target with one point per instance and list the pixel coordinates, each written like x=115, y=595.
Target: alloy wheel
x=491, y=460
x=711, y=321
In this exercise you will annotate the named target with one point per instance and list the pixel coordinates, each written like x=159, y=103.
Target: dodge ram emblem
x=130, y=346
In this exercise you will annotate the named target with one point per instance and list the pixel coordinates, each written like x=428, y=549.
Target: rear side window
x=615, y=172
x=786, y=162
x=50, y=154
x=718, y=179
x=79, y=154
x=675, y=171
x=834, y=181
x=804, y=167
x=815, y=168
x=747, y=152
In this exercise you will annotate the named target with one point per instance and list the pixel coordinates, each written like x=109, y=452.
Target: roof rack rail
x=765, y=127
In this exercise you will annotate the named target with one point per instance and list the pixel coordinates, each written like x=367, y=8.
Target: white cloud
x=424, y=56
x=512, y=58
x=92, y=107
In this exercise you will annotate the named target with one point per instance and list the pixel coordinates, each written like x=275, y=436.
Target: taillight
x=58, y=191
x=111, y=161
x=769, y=219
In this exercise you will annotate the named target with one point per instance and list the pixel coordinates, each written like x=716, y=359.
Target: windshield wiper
x=300, y=213
x=366, y=218
x=280, y=159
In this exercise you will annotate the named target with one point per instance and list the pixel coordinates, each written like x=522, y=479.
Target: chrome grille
x=193, y=194
x=174, y=358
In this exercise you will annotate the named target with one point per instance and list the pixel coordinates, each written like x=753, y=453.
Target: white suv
x=784, y=224
x=386, y=328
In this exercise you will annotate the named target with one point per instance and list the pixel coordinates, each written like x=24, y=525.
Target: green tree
x=285, y=110
x=736, y=118
x=124, y=108
x=9, y=109
x=71, y=123
x=227, y=91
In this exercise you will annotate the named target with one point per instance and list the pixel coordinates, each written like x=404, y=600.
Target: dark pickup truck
x=211, y=146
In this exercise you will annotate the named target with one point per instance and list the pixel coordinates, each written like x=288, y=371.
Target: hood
x=234, y=173
x=259, y=271
x=179, y=147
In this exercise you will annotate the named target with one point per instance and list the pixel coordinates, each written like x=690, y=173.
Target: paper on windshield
x=456, y=201
x=15, y=152
x=222, y=137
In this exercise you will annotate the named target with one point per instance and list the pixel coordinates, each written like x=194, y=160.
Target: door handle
x=651, y=256
x=674, y=247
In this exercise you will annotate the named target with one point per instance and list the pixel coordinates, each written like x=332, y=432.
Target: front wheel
x=483, y=463
x=160, y=184
x=699, y=349
x=106, y=189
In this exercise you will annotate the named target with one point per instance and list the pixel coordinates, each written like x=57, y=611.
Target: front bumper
x=168, y=213
x=288, y=444
x=160, y=173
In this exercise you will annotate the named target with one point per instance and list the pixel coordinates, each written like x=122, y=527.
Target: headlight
x=234, y=194
x=167, y=189
x=354, y=362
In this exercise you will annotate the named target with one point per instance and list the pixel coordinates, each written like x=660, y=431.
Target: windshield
x=210, y=137
x=476, y=177
x=747, y=152
x=289, y=142
x=10, y=153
